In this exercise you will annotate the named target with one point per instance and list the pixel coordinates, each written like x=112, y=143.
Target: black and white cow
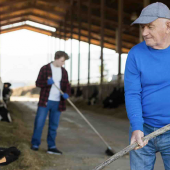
x=6, y=93
x=4, y=113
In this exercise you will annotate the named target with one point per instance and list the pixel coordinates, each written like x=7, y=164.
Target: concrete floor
x=82, y=148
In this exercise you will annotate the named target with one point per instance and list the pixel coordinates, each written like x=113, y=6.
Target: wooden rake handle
x=78, y=111
x=131, y=147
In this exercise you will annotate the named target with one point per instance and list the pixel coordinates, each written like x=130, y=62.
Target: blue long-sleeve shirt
x=147, y=86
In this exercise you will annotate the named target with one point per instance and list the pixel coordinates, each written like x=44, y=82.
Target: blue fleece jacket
x=147, y=86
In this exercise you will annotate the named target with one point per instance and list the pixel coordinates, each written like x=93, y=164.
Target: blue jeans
x=144, y=158
x=54, y=117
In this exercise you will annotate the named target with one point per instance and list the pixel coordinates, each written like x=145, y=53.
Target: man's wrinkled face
x=60, y=62
x=154, y=33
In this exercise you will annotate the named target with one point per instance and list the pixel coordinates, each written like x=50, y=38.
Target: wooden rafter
x=64, y=5
x=84, y=30
x=53, y=13
x=13, y=21
x=28, y=27
x=42, y=20
x=12, y=2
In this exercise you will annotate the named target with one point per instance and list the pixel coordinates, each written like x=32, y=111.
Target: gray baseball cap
x=153, y=12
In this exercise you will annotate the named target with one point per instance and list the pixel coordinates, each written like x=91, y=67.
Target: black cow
x=79, y=92
x=115, y=98
x=7, y=92
x=94, y=97
x=4, y=113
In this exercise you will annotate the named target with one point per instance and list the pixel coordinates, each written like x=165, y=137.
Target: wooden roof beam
x=109, y=22
x=97, y=42
x=54, y=23
x=96, y=36
x=43, y=9
x=4, y=23
x=29, y=15
x=97, y=6
x=14, y=16
x=109, y=32
x=28, y=27
x=31, y=7
x=13, y=10
x=12, y=2
x=44, y=20
x=49, y=33
x=61, y=14
x=54, y=2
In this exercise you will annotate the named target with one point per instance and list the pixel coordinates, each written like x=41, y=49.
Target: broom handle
x=131, y=147
x=84, y=117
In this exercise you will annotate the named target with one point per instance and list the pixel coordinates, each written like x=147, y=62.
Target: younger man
x=51, y=101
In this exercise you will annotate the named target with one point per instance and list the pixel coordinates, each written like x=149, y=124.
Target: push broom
x=109, y=150
x=131, y=147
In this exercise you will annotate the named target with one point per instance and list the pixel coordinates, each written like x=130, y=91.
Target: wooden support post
x=48, y=54
x=51, y=48
x=60, y=36
x=102, y=38
x=56, y=37
x=79, y=36
x=102, y=45
x=55, y=44
x=0, y=48
x=120, y=24
x=65, y=34
x=71, y=58
x=89, y=38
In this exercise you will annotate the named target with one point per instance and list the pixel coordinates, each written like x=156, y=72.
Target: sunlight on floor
x=23, y=98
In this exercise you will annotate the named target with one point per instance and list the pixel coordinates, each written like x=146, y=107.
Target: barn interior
x=97, y=35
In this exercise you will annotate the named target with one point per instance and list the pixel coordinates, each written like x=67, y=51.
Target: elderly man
x=147, y=87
